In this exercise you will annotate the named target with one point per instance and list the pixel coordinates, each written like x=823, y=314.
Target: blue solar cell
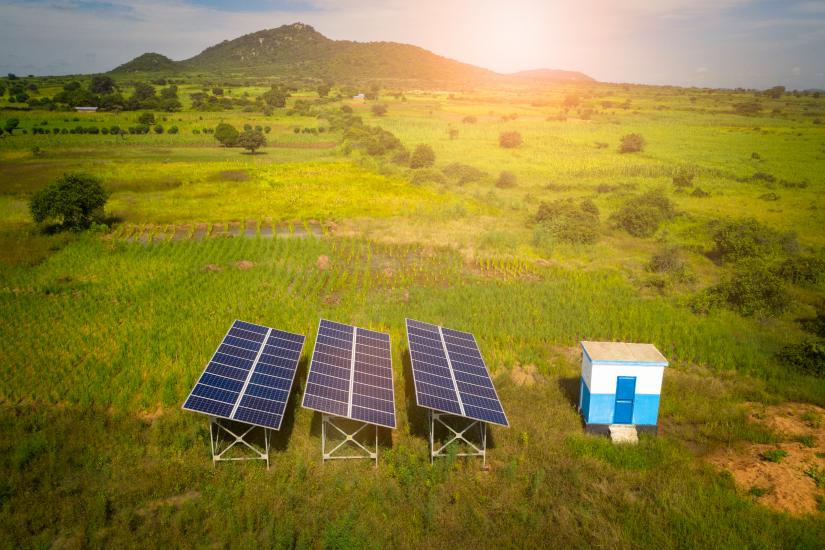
x=250, y=376
x=353, y=385
x=450, y=374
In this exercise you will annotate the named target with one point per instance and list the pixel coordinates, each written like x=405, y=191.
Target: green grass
x=104, y=339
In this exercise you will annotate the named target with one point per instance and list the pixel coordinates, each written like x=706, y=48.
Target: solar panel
x=351, y=374
x=450, y=375
x=250, y=376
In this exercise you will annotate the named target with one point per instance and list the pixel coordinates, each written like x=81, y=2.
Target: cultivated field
x=106, y=331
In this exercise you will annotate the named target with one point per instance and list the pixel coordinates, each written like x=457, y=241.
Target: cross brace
x=220, y=445
x=460, y=435
x=362, y=451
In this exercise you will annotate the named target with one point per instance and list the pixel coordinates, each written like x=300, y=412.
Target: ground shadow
x=280, y=438
x=417, y=417
x=570, y=387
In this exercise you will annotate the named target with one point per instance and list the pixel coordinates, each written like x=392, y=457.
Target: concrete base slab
x=624, y=433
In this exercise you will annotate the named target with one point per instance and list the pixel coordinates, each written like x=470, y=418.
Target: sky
x=704, y=43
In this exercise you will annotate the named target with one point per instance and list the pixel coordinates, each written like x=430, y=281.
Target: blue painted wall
x=598, y=408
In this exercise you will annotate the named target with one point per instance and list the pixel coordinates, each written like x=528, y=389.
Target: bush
x=74, y=200
x=642, y=215
x=226, y=134
x=423, y=157
x=747, y=108
x=506, y=180
x=738, y=239
x=683, y=178
x=564, y=221
x=469, y=119
x=815, y=325
x=699, y=192
x=807, y=357
x=146, y=118
x=463, y=173
x=379, y=109
x=667, y=260
x=251, y=140
x=158, y=129
x=172, y=130
x=752, y=290
x=427, y=175
x=346, y=109
x=632, y=143
x=509, y=140
x=803, y=270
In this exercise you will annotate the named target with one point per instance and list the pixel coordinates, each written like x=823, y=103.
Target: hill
x=552, y=75
x=299, y=51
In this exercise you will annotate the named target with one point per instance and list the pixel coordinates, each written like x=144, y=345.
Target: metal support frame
x=218, y=425
x=349, y=437
x=478, y=448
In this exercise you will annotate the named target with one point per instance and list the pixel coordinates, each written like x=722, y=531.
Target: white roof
x=624, y=353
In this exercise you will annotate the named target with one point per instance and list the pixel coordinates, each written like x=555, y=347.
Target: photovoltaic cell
x=351, y=374
x=450, y=375
x=250, y=376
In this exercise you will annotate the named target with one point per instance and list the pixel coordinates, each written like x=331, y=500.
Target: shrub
x=158, y=129
x=739, y=239
x=509, y=140
x=226, y=134
x=699, y=192
x=74, y=200
x=632, y=143
x=683, y=178
x=769, y=196
x=803, y=270
x=667, y=260
x=469, y=119
x=807, y=357
x=423, y=157
x=146, y=118
x=815, y=325
x=747, y=108
x=463, y=173
x=379, y=109
x=564, y=221
x=506, y=180
x=773, y=455
x=589, y=206
x=172, y=130
x=427, y=175
x=642, y=215
x=346, y=109
x=752, y=290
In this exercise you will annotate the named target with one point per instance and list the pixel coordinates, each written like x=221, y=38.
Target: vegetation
x=564, y=221
x=509, y=140
x=251, y=140
x=72, y=200
x=632, y=143
x=641, y=215
x=423, y=157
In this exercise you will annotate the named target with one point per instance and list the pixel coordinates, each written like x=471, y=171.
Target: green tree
x=251, y=140
x=74, y=200
x=422, y=157
x=226, y=134
x=323, y=89
x=379, y=109
x=102, y=84
x=11, y=125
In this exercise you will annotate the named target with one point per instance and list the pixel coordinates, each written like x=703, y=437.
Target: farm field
x=106, y=331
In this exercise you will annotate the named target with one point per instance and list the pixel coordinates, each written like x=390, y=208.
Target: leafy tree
x=11, y=125
x=379, y=109
x=736, y=240
x=251, y=140
x=571, y=100
x=423, y=157
x=640, y=216
x=217, y=91
x=102, y=84
x=74, y=200
x=143, y=92
x=346, y=109
x=323, y=89
x=72, y=86
x=509, y=140
x=275, y=97
x=752, y=290
x=226, y=134
x=632, y=143
x=775, y=92
x=146, y=118
x=169, y=93
x=373, y=92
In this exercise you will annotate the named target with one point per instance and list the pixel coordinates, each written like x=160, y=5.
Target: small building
x=86, y=109
x=359, y=97
x=620, y=385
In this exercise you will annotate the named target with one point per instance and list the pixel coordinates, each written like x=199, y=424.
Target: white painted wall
x=601, y=379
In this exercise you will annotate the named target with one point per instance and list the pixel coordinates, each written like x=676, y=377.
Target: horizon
x=729, y=44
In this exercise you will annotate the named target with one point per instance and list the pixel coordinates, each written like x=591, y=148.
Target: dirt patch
x=231, y=175
x=323, y=263
x=781, y=476
x=244, y=265
x=332, y=299
x=524, y=375
x=212, y=268
x=175, y=501
x=151, y=416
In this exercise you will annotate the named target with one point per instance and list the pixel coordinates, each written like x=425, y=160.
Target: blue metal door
x=625, y=393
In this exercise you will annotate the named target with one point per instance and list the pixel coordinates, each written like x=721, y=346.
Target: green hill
x=299, y=51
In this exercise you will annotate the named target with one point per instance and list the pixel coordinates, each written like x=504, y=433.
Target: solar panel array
x=450, y=375
x=250, y=376
x=351, y=374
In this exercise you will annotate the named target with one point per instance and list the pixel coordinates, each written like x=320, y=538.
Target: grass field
x=103, y=339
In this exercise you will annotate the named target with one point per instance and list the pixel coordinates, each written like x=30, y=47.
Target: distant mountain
x=552, y=75
x=148, y=62
x=299, y=51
